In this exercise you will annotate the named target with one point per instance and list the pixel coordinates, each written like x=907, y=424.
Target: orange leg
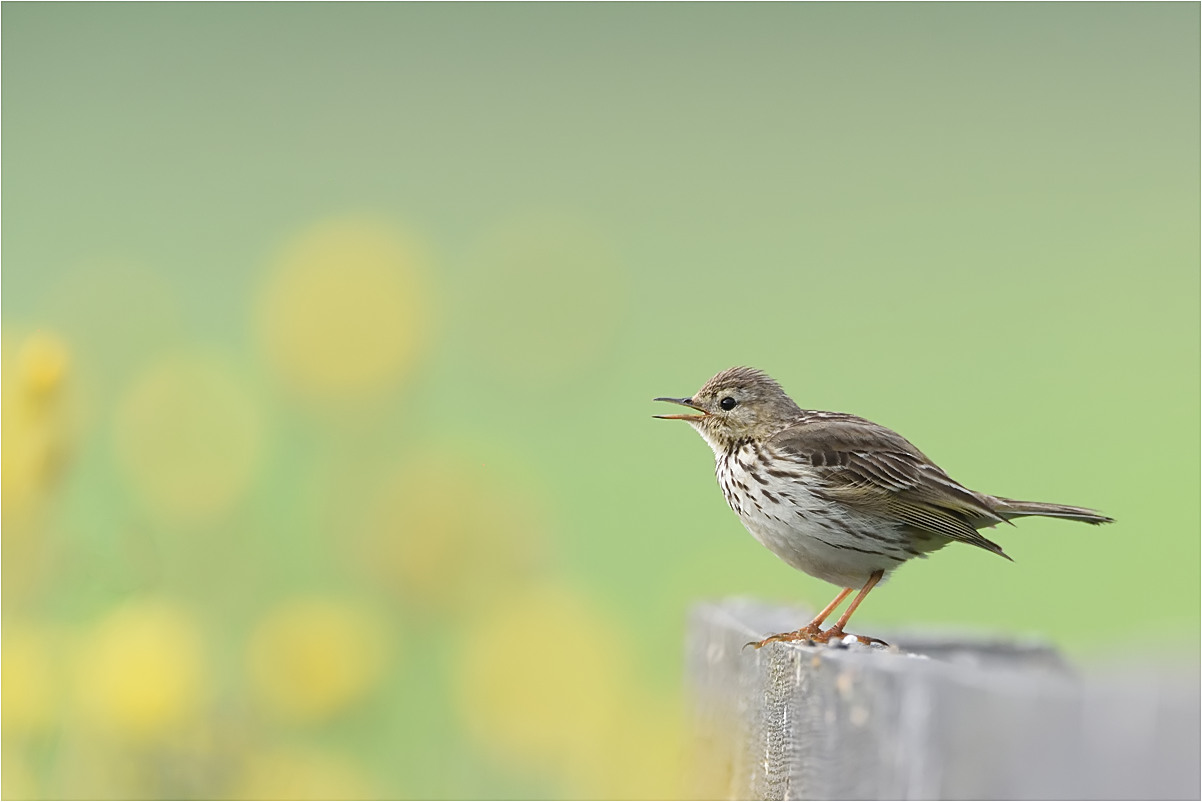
x=826, y=611
x=812, y=631
x=837, y=630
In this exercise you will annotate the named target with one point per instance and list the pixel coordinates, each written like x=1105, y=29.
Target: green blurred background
x=330, y=334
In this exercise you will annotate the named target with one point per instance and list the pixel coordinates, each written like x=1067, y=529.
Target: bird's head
x=737, y=404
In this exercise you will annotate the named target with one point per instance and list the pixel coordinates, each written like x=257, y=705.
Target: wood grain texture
x=938, y=718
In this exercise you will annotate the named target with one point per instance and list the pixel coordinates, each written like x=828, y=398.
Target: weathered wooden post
x=933, y=719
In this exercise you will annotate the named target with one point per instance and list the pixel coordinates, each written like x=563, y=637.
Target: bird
x=837, y=496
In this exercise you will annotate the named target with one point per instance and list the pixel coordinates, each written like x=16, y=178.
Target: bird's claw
x=809, y=634
x=813, y=635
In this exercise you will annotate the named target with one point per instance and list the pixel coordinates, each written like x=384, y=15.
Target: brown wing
x=868, y=467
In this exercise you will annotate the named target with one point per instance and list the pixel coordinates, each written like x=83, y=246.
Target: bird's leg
x=815, y=626
x=810, y=630
x=836, y=631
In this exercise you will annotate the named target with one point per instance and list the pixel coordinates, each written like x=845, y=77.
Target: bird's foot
x=812, y=634
x=808, y=633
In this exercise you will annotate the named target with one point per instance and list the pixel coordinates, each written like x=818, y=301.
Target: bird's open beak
x=684, y=402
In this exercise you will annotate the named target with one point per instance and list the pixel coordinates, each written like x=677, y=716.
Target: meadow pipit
x=837, y=496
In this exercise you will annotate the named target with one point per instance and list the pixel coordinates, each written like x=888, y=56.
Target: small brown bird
x=837, y=496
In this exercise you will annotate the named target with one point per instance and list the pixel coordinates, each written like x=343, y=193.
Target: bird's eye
x=727, y=403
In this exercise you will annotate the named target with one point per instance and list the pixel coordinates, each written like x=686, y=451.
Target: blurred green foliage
x=330, y=334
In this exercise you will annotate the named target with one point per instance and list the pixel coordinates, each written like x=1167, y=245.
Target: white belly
x=811, y=534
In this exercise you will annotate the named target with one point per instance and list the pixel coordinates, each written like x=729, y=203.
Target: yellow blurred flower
x=343, y=313
x=142, y=671
x=17, y=781
x=30, y=660
x=540, y=680
x=642, y=755
x=311, y=658
x=302, y=774
x=44, y=363
x=189, y=437
x=543, y=681
x=34, y=422
x=36, y=434
x=447, y=532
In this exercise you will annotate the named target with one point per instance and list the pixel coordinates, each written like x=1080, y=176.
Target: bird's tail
x=1011, y=508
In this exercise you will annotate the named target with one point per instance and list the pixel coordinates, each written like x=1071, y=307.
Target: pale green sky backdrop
x=974, y=223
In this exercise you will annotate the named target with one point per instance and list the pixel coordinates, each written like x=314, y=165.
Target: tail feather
x=1011, y=508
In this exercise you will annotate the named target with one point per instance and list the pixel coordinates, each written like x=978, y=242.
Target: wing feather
x=869, y=467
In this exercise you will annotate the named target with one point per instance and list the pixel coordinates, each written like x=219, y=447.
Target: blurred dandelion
x=311, y=658
x=292, y=773
x=542, y=680
x=189, y=437
x=37, y=435
x=35, y=426
x=143, y=670
x=447, y=533
x=551, y=295
x=31, y=658
x=344, y=311
x=18, y=780
x=647, y=740
x=43, y=365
